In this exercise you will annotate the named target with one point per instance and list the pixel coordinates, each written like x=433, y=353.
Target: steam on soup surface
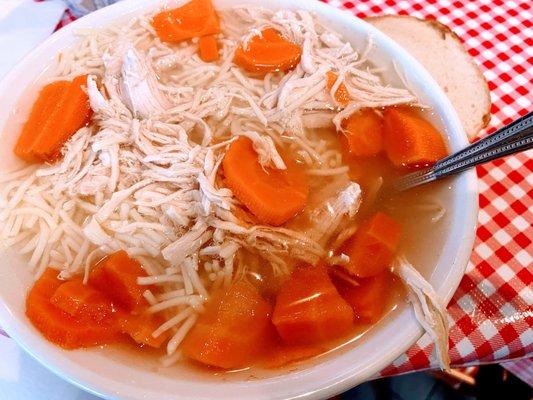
x=209, y=183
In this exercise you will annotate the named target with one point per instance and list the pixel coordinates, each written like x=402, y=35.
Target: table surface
x=491, y=312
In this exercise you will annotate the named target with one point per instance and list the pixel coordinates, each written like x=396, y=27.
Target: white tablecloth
x=23, y=378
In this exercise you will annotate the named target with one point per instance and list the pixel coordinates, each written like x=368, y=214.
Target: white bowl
x=115, y=375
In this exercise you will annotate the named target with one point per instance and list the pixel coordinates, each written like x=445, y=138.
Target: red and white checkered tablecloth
x=492, y=309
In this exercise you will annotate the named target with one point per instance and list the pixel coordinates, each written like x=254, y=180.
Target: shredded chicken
x=139, y=88
x=318, y=120
x=333, y=208
x=429, y=311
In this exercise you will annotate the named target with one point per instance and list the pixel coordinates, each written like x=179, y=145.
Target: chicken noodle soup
x=210, y=183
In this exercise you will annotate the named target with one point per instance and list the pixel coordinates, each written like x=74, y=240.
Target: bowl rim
x=65, y=368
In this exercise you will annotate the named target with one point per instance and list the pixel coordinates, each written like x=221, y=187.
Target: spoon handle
x=489, y=154
x=515, y=130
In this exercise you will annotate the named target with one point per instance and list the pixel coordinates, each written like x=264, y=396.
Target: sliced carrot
x=194, y=19
x=116, y=276
x=234, y=328
x=48, y=98
x=69, y=114
x=82, y=301
x=58, y=326
x=367, y=298
x=208, y=48
x=274, y=196
x=309, y=309
x=141, y=326
x=372, y=247
x=268, y=52
x=283, y=355
x=410, y=140
x=363, y=133
x=341, y=94
x=58, y=113
x=75, y=112
x=358, y=168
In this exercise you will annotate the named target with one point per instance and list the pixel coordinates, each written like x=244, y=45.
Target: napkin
x=23, y=25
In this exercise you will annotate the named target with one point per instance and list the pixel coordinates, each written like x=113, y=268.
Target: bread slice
x=439, y=49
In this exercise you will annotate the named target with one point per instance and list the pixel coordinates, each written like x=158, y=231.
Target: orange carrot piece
x=309, y=309
x=341, y=94
x=70, y=114
x=268, y=52
x=208, y=48
x=116, y=276
x=61, y=109
x=363, y=133
x=194, y=19
x=372, y=247
x=140, y=328
x=410, y=140
x=234, y=328
x=283, y=355
x=82, y=301
x=367, y=298
x=274, y=196
x=58, y=326
x=48, y=97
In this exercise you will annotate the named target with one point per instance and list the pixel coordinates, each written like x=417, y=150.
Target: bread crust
x=477, y=116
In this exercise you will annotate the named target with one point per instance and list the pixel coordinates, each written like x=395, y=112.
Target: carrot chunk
x=51, y=95
x=372, y=247
x=274, y=196
x=60, y=327
x=366, y=299
x=60, y=110
x=410, y=140
x=140, y=328
x=74, y=112
x=234, y=328
x=341, y=94
x=67, y=113
x=363, y=133
x=283, y=355
x=268, y=52
x=208, y=48
x=82, y=301
x=116, y=276
x=194, y=19
x=309, y=309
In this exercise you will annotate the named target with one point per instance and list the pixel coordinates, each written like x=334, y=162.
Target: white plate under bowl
x=116, y=376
